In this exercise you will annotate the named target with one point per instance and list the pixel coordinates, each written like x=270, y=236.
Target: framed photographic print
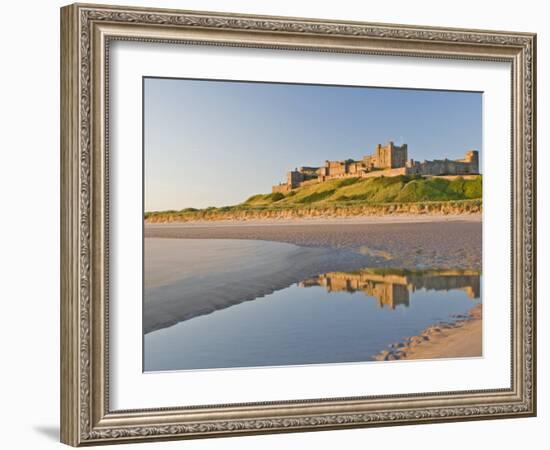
x=276, y=224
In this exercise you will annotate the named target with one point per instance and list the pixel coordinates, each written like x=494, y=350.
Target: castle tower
x=395, y=156
x=472, y=157
x=294, y=178
x=398, y=155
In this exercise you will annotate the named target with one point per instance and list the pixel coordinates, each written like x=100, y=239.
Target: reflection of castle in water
x=391, y=287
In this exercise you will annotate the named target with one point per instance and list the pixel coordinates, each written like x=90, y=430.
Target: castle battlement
x=387, y=160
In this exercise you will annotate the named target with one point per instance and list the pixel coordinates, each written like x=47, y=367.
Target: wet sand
x=443, y=242
x=185, y=278
x=462, y=339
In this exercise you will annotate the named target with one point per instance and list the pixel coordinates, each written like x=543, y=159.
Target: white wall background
x=29, y=237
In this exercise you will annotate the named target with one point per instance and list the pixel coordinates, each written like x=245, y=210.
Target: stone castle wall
x=468, y=165
x=282, y=188
x=388, y=160
x=385, y=173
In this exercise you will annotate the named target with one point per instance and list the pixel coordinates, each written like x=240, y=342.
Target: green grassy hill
x=348, y=197
x=399, y=189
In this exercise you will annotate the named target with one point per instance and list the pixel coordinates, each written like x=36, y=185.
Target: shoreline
x=461, y=339
x=443, y=244
x=189, y=278
x=268, y=263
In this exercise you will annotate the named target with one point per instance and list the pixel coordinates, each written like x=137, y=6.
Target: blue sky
x=215, y=143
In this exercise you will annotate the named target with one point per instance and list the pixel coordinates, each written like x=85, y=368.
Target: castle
x=387, y=160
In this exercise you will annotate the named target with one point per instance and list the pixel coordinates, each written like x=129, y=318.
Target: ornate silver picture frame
x=87, y=33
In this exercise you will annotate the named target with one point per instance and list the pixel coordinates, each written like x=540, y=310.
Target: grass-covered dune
x=349, y=197
x=399, y=189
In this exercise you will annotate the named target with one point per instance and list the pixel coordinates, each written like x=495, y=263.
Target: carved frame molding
x=86, y=32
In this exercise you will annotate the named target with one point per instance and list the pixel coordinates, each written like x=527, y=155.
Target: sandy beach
x=413, y=242
x=462, y=339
